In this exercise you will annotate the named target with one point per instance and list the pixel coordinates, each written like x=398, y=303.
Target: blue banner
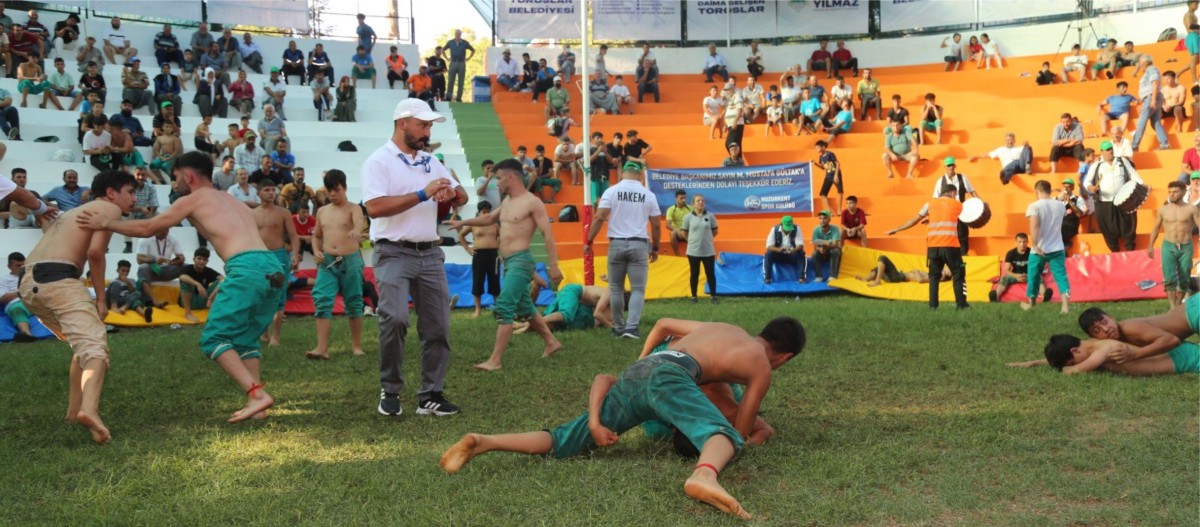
x=767, y=189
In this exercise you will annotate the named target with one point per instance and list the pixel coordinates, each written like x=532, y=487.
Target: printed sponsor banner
x=768, y=189
x=636, y=20
x=995, y=10
x=821, y=17
x=899, y=15
x=531, y=19
x=707, y=19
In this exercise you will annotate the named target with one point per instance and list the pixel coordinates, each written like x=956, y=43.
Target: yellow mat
x=172, y=314
x=857, y=261
x=668, y=276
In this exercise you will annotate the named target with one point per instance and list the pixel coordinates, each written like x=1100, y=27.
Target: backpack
x=568, y=214
x=554, y=126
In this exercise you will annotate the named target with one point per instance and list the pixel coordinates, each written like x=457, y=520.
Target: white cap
x=416, y=108
x=558, y=78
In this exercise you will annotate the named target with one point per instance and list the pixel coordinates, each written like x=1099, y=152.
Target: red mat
x=301, y=302
x=1104, y=278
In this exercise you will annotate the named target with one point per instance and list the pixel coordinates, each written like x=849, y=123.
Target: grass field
x=892, y=416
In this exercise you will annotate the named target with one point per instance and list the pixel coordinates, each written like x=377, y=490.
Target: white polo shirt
x=6, y=187
x=630, y=208
x=154, y=248
x=388, y=172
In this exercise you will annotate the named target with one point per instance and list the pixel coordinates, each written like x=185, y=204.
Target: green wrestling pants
x=1186, y=357
x=339, y=274
x=575, y=314
x=245, y=305
x=1176, y=266
x=514, y=301
x=658, y=430
x=285, y=259
x=1192, y=311
x=660, y=386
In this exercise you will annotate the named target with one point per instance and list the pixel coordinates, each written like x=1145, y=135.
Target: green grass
x=892, y=416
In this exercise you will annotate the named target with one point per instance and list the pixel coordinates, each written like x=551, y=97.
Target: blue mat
x=8, y=330
x=742, y=275
x=459, y=278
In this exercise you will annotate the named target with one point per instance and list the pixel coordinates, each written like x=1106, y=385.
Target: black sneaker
x=1047, y=295
x=992, y=296
x=631, y=333
x=437, y=405
x=389, y=404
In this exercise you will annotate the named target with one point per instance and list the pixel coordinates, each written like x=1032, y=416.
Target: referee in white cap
x=402, y=185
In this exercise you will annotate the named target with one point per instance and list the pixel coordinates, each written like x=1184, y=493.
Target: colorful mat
x=857, y=261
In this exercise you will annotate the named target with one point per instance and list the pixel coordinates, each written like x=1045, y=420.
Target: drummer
x=1104, y=180
x=962, y=189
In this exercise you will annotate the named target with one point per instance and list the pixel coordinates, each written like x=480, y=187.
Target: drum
x=1130, y=196
x=975, y=213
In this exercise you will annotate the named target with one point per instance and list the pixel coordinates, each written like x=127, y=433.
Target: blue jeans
x=718, y=70
x=794, y=259
x=1020, y=166
x=508, y=81
x=628, y=257
x=1155, y=117
x=11, y=119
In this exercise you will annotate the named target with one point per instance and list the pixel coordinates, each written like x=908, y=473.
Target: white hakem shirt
x=388, y=172
x=630, y=206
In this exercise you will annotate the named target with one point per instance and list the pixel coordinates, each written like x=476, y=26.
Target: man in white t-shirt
x=621, y=92
x=1013, y=159
x=508, y=72
x=754, y=98
x=20, y=196
x=1045, y=239
x=627, y=207
x=1076, y=61
x=402, y=186
x=159, y=260
x=275, y=90
x=115, y=42
x=97, y=145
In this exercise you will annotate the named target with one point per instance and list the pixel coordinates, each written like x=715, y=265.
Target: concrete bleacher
x=981, y=106
x=315, y=144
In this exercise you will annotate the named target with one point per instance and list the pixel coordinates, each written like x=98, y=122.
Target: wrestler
x=885, y=271
x=666, y=386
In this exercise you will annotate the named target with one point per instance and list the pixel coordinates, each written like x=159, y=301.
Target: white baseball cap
x=416, y=108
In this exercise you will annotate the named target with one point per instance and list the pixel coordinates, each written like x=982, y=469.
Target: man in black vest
x=785, y=245
x=962, y=189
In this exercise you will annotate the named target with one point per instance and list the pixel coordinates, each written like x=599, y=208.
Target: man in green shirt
x=827, y=248
x=868, y=95
x=558, y=99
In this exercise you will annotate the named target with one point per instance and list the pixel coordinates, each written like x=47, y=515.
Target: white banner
x=708, y=21
x=899, y=15
x=821, y=17
x=996, y=10
x=176, y=10
x=636, y=20
x=532, y=19
x=291, y=14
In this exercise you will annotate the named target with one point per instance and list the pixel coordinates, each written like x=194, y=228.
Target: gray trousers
x=140, y=98
x=401, y=272
x=166, y=273
x=628, y=258
x=456, y=70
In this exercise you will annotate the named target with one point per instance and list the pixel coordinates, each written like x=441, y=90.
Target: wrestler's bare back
x=67, y=241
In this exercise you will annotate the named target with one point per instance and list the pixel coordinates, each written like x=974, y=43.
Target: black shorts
x=890, y=273
x=484, y=268
x=1171, y=110
x=828, y=184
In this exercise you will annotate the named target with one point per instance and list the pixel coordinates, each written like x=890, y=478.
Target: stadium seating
x=981, y=106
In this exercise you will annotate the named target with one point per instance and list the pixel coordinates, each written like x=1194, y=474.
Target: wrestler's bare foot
x=486, y=366
x=317, y=355
x=475, y=314
x=1026, y=306
x=1065, y=311
x=100, y=433
x=873, y=283
x=191, y=318
x=552, y=348
x=273, y=342
x=458, y=455
x=358, y=352
x=703, y=487
x=520, y=327
x=256, y=405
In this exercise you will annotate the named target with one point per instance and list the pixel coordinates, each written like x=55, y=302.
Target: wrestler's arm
x=294, y=237
x=1029, y=364
x=542, y=220
x=721, y=395
x=667, y=327
x=756, y=388
x=602, y=312
x=600, y=433
x=1159, y=342
x=1094, y=362
x=139, y=228
x=96, y=262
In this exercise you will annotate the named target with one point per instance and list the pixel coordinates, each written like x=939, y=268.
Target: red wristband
x=708, y=466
